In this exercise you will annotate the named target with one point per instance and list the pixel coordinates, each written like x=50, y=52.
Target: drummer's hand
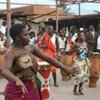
x=21, y=84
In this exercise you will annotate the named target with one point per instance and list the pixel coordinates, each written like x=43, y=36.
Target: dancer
x=20, y=66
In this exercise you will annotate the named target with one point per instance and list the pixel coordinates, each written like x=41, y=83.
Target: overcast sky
x=86, y=8
x=38, y=2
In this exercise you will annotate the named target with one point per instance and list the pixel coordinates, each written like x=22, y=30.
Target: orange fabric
x=39, y=41
x=53, y=69
x=73, y=56
x=51, y=50
x=70, y=43
x=1, y=60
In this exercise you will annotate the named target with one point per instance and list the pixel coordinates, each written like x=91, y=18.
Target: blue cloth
x=81, y=53
x=70, y=34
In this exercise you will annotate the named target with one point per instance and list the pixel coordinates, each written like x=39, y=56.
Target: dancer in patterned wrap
x=81, y=62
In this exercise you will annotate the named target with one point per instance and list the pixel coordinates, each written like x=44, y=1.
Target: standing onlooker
x=33, y=38
x=2, y=51
x=49, y=46
x=3, y=28
x=91, y=38
x=62, y=42
x=72, y=37
x=41, y=36
x=4, y=32
x=98, y=43
x=81, y=30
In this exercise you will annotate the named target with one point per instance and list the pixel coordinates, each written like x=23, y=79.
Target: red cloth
x=6, y=44
x=46, y=75
x=13, y=92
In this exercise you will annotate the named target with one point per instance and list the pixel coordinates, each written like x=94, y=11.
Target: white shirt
x=98, y=43
x=33, y=40
x=61, y=43
x=74, y=37
x=53, y=39
x=3, y=29
x=1, y=46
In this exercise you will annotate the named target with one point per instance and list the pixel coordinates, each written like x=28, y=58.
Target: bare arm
x=51, y=60
x=6, y=71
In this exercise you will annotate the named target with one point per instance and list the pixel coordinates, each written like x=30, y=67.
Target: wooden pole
x=57, y=16
x=8, y=22
x=79, y=9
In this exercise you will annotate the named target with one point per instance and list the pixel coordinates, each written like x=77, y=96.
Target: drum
x=43, y=74
x=94, y=70
x=65, y=59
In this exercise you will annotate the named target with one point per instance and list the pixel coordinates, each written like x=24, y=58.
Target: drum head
x=43, y=63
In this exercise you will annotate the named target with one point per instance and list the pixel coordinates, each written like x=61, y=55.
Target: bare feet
x=55, y=85
x=80, y=91
x=75, y=92
x=2, y=93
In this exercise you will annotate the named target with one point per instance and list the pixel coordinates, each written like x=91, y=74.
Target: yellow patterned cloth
x=25, y=61
x=84, y=67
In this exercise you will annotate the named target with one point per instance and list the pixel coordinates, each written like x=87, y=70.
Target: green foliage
x=40, y=25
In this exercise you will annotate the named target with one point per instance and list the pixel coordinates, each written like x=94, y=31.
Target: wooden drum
x=65, y=59
x=94, y=70
x=43, y=75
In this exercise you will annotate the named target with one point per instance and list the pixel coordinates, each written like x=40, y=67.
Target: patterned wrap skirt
x=84, y=70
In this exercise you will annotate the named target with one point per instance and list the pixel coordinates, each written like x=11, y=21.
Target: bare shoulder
x=10, y=54
x=31, y=48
